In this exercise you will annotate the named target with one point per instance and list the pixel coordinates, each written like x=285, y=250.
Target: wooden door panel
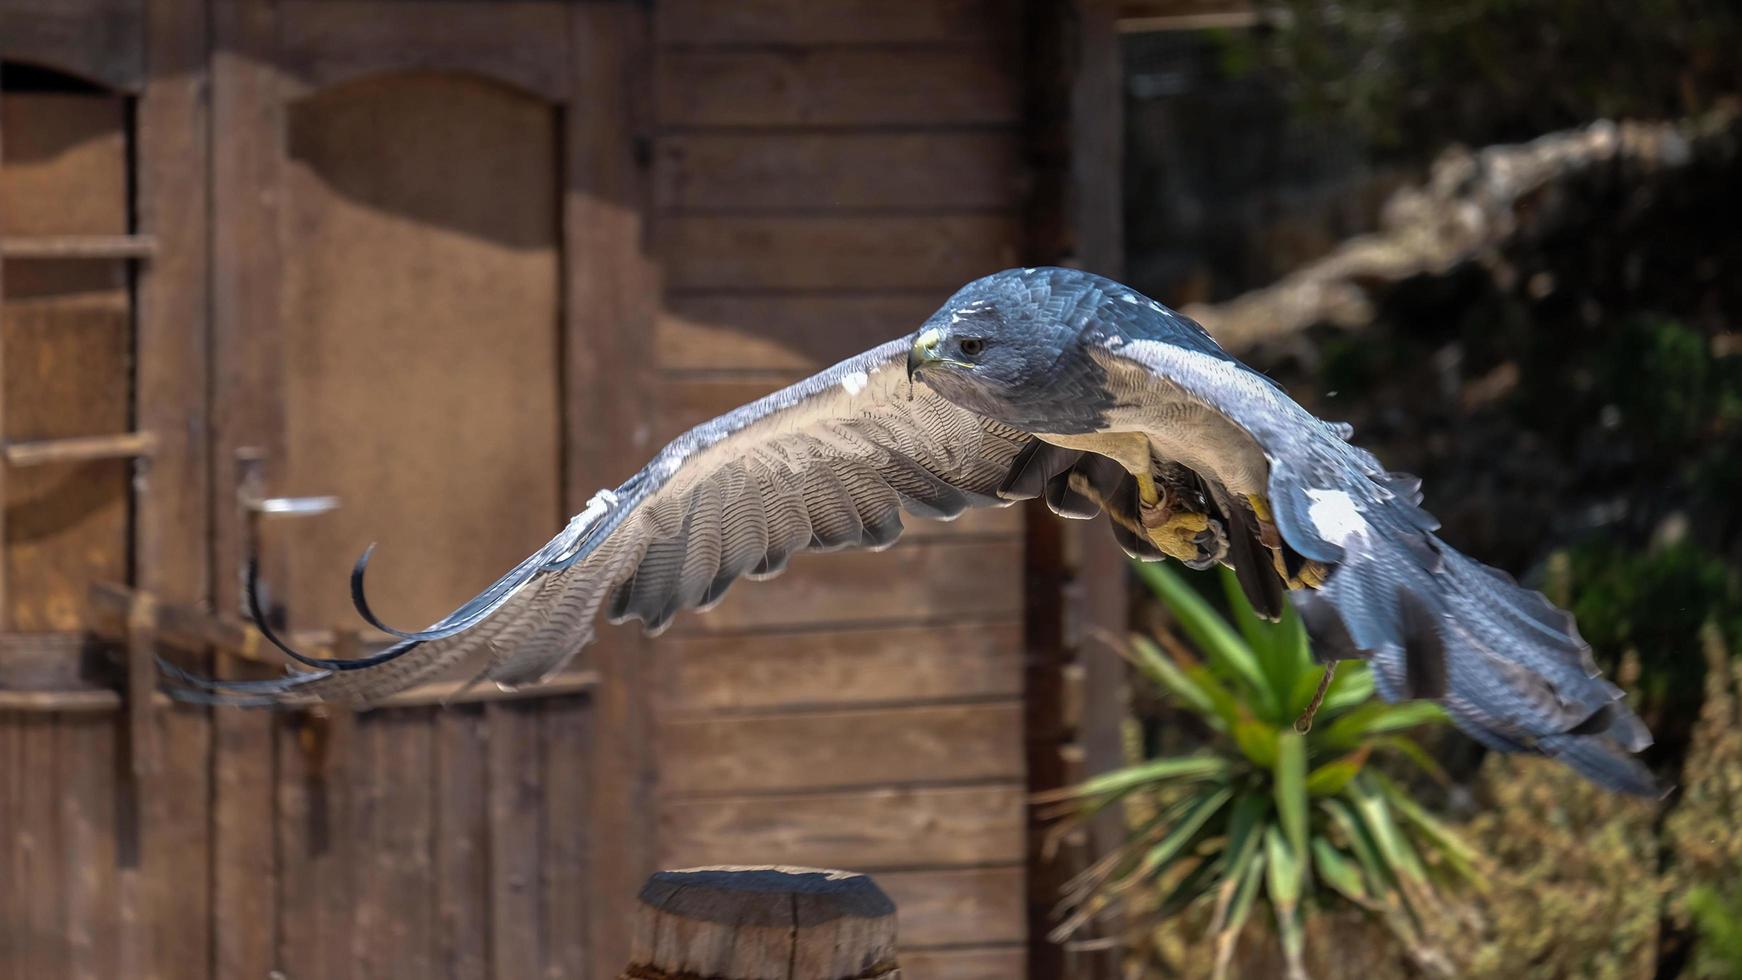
x=66, y=329
x=421, y=305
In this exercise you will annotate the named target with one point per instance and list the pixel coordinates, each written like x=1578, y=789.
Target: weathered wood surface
x=1000, y=963
x=866, y=829
x=838, y=86
x=948, y=171
x=611, y=291
x=931, y=251
x=796, y=22
x=98, y=40
x=65, y=169
x=522, y=43
x=838, y=668
x=790, y=751
x=789, y=335
x=406, y=178
x=246, y=413
x=918, y=582
x=826, y=175
x=957, y=907
x=762, y=923
x=66, y=365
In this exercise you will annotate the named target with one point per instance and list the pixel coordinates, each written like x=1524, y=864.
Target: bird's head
x=1011, y=346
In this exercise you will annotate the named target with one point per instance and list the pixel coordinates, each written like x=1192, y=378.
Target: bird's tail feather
x=1509, y=667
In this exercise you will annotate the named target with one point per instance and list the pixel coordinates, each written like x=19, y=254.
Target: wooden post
x=732, y=923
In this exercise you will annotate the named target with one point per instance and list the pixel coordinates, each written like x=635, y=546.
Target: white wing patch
x=1336, y=516
x=855, y=382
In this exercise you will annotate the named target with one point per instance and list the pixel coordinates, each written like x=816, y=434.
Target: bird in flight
x=1038, y=383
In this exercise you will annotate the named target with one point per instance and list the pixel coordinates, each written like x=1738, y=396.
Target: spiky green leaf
x=1289, y=787
x=1161, y=670
x=1257, y=739
x=1220, y=644
x=1155, y=772
x=1331, y=778
x=1338, y=871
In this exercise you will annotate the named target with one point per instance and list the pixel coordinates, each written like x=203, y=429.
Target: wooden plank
x=171, y=365
x=952, y=908
x=991, y=963
x=79, y=247
x=88, y=816
x=611, y=291
x=796, y=335
x=462, y=845
x=37, y=868
x=5, y=490
x=321, y=840
x=176, y=847
x=837, y=749
x=516, y=845
x=838, y=22
x=48, y=661
x=925, y=581
x=859, y=830
x=336, y=41
x=838, y=86
x=171, y=529
x=838, y=668
x=394, y=933
x=80, y=449
x=838, y=170
x=247, y=394
x=71, y=702
x=569, y=843
x=937, y=251
x=13, y=780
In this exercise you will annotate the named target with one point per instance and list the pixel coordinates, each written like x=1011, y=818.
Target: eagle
x=1045, y=383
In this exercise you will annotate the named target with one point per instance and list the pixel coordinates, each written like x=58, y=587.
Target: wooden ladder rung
x=126, y=445
x=79, y=247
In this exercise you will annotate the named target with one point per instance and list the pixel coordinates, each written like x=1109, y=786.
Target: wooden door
x=413, y=208
x=102, y=222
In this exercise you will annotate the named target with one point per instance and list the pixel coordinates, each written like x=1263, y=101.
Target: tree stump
x=765, y=923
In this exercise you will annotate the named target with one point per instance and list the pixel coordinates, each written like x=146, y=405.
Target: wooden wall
x=825, y=175
x=816, y=176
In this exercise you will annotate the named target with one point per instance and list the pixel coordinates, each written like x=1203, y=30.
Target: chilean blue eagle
x=1066, y=386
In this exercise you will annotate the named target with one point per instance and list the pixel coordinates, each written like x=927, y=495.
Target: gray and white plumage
x=1026, y=375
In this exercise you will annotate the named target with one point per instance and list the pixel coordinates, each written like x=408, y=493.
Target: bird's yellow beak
x=923, y=352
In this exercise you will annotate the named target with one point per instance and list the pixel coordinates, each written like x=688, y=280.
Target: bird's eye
x=972, y=346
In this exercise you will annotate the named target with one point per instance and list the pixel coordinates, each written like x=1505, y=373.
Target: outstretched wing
x=1510, y=668
x=831, y=462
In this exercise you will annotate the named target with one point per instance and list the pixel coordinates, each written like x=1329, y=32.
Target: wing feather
x=1510, y=668
x=832, y=462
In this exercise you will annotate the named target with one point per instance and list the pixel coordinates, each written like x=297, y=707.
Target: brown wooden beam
x=83, y=449
x=79, y=247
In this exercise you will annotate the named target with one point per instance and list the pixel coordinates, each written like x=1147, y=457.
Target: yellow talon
x=1174, y=533
x=1312, y=574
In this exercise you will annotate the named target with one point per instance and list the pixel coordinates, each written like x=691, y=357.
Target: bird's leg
x=1312, y=573
x=1175, y=531
x=1304, y=723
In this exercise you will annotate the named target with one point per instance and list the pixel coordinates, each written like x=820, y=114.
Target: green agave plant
x=1265, y=811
